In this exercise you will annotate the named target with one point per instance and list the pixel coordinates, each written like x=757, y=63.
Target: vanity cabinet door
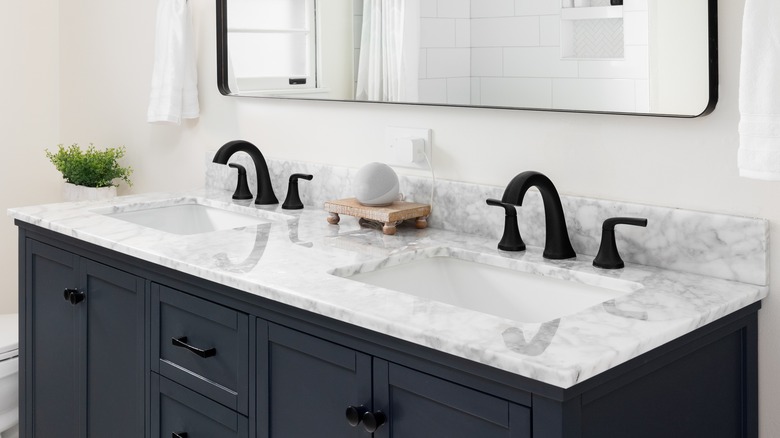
x=305, y=385
x=418, y=405
x=50, y=345
x=83, y=341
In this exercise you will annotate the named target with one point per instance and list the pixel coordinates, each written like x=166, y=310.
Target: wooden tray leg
x=389, y=228
x=421, y=222
x=333, y=218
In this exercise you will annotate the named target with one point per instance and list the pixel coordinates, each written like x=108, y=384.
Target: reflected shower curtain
x=388, y=69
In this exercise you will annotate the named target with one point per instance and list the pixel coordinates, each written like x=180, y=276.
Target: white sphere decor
x=376, y=185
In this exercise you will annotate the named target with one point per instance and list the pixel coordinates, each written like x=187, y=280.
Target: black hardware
x=511, y=240
x=293, y=200
x=178, y=434
x=182, y=342
x=265, y=191
x=557, y=244
x=242, y=187
x=608, y=256
x=355, y=414
x=74, y=296
x=297, y=81
x=373, y=421
x=616, y=2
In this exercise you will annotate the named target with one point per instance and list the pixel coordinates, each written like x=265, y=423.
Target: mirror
x=646, y=57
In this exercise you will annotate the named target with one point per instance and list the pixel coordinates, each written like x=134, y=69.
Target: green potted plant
x=89, y=174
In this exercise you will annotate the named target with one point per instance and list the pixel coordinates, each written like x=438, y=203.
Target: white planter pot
x=72, y=192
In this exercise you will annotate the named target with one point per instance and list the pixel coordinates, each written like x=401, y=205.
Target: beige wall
x=28, y=121
x=106, y=53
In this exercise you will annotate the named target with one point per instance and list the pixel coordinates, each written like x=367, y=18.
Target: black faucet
x=557, y=244
x=265, y=192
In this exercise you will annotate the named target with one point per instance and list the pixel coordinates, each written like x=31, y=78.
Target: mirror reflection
x=639, y=57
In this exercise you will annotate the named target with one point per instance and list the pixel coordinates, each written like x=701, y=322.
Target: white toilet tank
x=9, y=375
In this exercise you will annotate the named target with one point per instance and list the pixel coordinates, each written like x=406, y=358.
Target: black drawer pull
x=74, y=296
x=178, y=434
x=373, y=421
x=182, y=342
x=355, y=414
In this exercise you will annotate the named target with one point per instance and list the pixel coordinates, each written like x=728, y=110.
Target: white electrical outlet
x=408, y=147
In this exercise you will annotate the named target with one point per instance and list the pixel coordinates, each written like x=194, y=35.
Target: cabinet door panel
x=52, y=407
x=418, y=405
x=305, y=385
x=114, y=371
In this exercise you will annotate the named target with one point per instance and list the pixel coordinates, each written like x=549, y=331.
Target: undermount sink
x=187, y=218
x=509, y=293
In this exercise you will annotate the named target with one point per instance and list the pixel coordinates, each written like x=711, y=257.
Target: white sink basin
x=189, y=218
x=509, y=293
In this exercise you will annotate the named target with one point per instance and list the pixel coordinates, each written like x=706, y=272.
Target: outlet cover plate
x=393, y=134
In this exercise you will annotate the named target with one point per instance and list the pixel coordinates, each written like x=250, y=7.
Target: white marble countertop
x=290, y=259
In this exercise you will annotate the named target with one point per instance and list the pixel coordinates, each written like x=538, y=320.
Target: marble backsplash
x=722, y=246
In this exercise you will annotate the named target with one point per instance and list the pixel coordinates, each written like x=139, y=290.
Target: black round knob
x=77, y=297
x=355, y=414
x=374, y=420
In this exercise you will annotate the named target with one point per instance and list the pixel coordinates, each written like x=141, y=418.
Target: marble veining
x=716, y=245
x=291, y=256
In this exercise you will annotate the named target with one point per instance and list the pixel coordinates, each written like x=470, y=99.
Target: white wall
x=29, y=109
x=106, y=51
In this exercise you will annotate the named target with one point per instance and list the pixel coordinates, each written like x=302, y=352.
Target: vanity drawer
x=201, y=345
x=182, y=412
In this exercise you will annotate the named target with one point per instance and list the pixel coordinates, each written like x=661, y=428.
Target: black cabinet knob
x=374, y=420
x=73, y=296
x=355, y=414
x=204, y=353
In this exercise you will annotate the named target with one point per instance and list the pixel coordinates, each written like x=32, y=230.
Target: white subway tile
x=454, y=8
x=459, y=91
x=492, y=8
x=642, y=96
x=433, y=90
x=463, y=32
x=448, y=63
x=423, y=63
x=550, y=30
x=505, y=32
x=428, y=8
x=635, y=65
x=544, y=62
x=537, y=7
x=475, y=91
x=635, y=5
x=594, y=94
x=487, y=62
x=437, y=32
x=516, y=92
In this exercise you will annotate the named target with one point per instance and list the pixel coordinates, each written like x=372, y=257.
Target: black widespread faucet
x=557, y=244
x=265, y=192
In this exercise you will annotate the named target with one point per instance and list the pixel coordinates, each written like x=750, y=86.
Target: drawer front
x=178, y=411
x=201, y=345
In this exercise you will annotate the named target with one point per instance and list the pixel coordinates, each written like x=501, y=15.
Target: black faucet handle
x=511, y=240
x=608, y=256
x=242, y=187
x=293, y=200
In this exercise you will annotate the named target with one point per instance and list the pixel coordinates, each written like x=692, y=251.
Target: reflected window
x=272, y=44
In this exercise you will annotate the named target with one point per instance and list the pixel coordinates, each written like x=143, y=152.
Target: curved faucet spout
x=557, y=244
x=265, y=191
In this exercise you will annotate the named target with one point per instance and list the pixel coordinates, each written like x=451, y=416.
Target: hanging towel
x=175, y=77
x=759, y=91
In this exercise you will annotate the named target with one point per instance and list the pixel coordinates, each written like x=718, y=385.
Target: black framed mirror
x=638, y=57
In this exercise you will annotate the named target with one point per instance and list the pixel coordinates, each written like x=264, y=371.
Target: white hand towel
x=759, y=91
x=175, y=77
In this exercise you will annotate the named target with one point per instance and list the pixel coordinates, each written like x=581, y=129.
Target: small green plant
x=90, y=168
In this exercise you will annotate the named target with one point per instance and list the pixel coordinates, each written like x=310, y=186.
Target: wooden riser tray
x=390, y=215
